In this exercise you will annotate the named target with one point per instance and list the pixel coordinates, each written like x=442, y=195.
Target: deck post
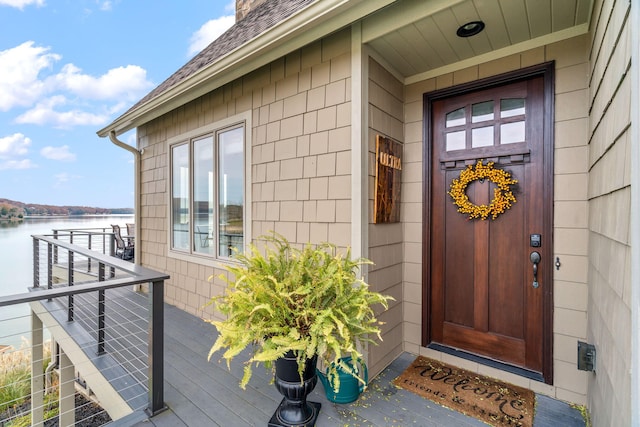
x=37, y=383
x=67, y=405
x=156, y=348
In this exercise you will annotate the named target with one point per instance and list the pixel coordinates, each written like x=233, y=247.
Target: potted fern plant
x=292, y=307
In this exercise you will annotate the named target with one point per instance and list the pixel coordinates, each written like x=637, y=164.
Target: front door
x=488, y=257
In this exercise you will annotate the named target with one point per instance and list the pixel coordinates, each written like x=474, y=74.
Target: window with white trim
x=207, y=193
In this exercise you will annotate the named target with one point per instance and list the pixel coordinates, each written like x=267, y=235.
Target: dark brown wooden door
x=482, y=297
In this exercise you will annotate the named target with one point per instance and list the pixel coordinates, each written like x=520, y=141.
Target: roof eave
x=309, y=24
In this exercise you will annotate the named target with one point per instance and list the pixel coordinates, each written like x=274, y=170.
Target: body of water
x=16, y=263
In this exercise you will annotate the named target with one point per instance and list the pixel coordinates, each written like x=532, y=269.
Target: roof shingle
x=256, y=22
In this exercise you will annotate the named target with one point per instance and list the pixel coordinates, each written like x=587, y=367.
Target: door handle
x=535, y=259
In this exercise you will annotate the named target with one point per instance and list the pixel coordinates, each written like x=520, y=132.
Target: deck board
x=199, y=392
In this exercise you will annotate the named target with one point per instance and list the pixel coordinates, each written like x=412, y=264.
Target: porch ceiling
x=418, y=38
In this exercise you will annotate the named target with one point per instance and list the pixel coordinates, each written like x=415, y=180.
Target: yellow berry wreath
x=503, y=197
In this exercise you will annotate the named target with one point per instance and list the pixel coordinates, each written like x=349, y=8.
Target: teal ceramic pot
x=350, y=388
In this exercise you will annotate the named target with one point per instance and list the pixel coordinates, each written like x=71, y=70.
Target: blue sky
x=67, y=69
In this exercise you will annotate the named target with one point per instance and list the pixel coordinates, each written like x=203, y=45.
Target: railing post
x=112, y=252
x=55, y=254
x=101, y=307
x=156, y=348
x=70, y=283
x=89, y=247
x=50, y=266
x=36, y=263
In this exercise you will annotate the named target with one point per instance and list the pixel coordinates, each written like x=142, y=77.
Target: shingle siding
x=609, y=193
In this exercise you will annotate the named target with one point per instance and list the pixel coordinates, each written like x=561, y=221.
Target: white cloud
x=19, y=70
x=210, y=31
x=58, y=153
x=17, y=164
x=231, y=6
x=11, y=148
x=23, y=85
x=128, y=82
x=105, y=5
x=64, y=177
x=44, y=113
x=14, y=145
x=20, y=4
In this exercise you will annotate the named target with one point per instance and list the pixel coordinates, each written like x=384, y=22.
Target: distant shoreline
x=76, y=215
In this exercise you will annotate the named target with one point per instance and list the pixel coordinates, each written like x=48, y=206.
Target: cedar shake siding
x=609, y=195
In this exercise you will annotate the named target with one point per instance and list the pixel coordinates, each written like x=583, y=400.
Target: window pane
x=456, y=140
x=482, y=137
x=511, y=107
x=482, y=111
x=231, y=190
x=455, y=118
x=180, y=197
x=203, y=195
x=512, y=132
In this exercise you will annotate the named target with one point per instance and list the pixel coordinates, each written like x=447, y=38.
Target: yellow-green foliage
x=308, y=301
x=50, y=411
x=15, y=375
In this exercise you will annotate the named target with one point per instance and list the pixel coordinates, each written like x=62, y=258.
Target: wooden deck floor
x=201, y=393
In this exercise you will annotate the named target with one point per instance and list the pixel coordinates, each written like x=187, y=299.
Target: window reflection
x=455, y=141
x=203, y=194
x=482, y=137
x=511, y=133
x=455, y=118
x=482, y=112
x=180, y=197
x=207, y=191
x=511, y=107
x=230, y=189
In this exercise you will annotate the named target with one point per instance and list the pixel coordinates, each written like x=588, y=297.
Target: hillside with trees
x=13, y=209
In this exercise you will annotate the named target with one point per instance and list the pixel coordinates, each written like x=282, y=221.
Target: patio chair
x=123, y=250
x=131, y=233
x=204, y=236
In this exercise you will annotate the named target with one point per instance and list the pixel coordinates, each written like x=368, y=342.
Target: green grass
x=15, y=387
x=51, y=411
x=15, y=375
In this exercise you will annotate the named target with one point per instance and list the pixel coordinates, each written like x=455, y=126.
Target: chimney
x=244, y=6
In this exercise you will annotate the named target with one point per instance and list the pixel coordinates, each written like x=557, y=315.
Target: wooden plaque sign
x=388, y=180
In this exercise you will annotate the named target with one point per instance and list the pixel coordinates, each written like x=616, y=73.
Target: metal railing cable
x=91, y=296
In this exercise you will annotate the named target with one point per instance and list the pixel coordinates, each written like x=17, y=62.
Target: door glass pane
x=511, y=107
x=456, y=140
x=455, y=118
x=482, y=137
x=231, y=191
x=180, y=197
x=482, y=112
x=203, y=195
x=512, y=132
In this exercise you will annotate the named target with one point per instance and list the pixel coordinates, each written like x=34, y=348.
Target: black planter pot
x=294, y=410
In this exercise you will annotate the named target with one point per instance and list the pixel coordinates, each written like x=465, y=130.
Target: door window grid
x=485, y=124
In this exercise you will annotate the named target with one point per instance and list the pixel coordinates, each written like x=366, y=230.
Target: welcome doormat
x=494, y=402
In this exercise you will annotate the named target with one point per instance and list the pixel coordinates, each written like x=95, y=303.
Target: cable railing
x=83, y=345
